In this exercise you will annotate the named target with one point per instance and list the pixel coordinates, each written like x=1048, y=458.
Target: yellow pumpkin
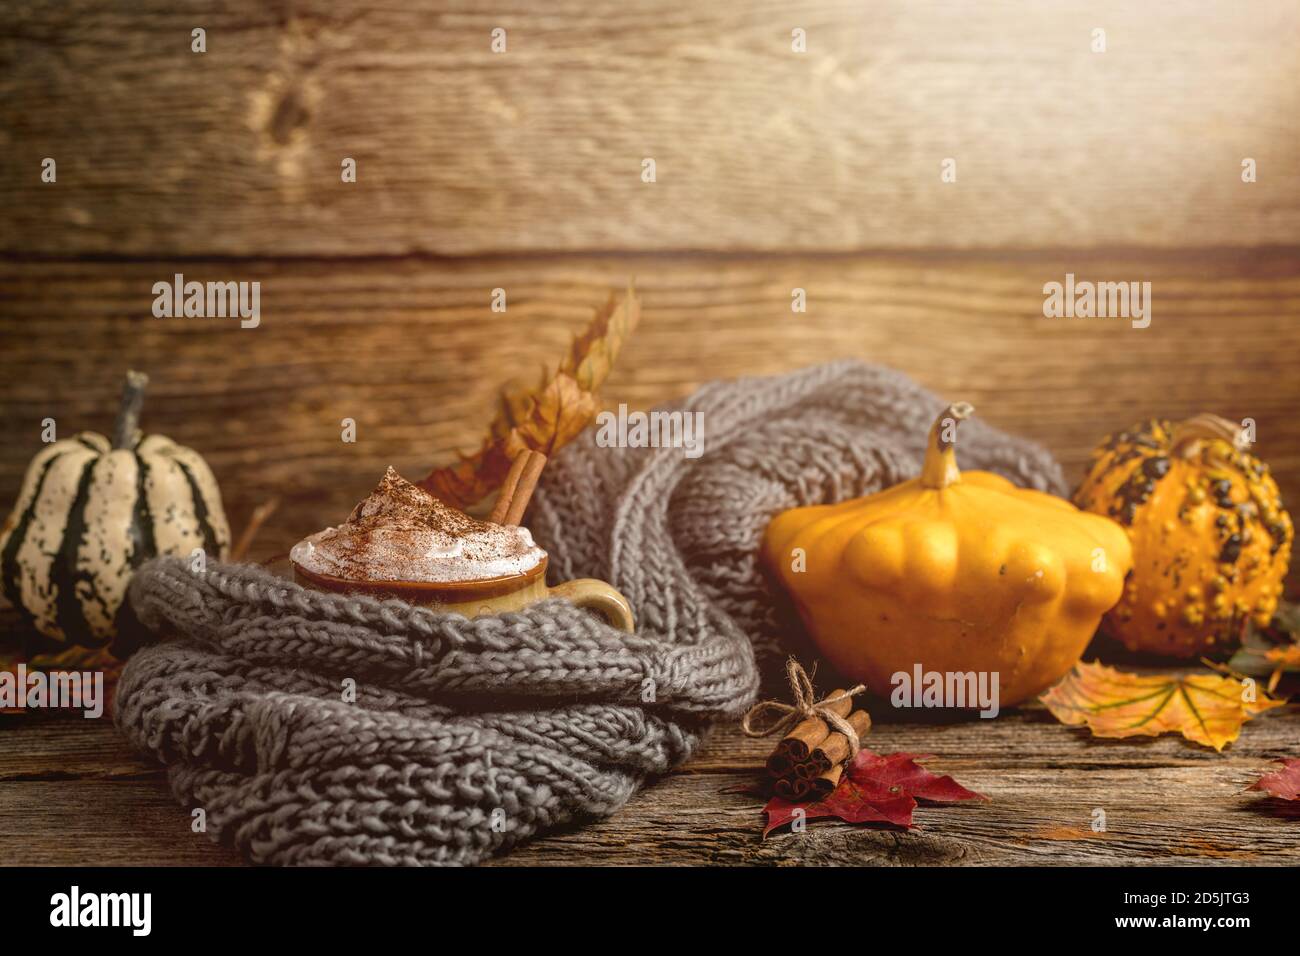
x=956, y=573
x=1211, y=540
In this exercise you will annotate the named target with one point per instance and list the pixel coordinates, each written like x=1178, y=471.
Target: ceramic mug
x=487, y=596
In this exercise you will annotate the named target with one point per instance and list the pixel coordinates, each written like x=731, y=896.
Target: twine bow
x=775, y=716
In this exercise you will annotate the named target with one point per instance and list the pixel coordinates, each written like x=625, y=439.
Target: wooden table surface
x=72, y=792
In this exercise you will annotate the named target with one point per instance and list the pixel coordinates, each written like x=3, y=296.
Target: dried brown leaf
x=546, y=418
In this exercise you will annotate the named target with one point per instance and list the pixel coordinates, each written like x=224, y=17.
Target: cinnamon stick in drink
x=518, y=487
x=528, y=479
x=508, y=488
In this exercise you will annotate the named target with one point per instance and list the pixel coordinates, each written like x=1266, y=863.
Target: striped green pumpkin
x=91, y=511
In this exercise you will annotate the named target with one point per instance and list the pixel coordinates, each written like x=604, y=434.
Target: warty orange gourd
x=1211, y=540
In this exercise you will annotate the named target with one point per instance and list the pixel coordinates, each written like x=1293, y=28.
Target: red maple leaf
x=875, y=789
x=1283, y=784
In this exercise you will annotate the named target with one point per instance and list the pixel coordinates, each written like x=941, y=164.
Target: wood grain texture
x=410, y=349
x=775, y=171
x=461, y=151
x=1166, y=803
x=71, y=793
x=73, y=822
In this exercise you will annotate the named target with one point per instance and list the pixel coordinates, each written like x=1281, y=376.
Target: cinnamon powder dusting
x=402, y=533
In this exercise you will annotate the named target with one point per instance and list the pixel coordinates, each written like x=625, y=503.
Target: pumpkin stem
x=940, y=468
x=126, y=432
x=1188, y=435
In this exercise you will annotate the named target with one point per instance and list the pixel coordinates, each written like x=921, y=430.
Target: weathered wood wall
x=411, y=350
x=522, y=170
x=464, y=151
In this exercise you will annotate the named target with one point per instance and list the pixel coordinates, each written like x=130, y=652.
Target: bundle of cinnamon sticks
x=809, y=761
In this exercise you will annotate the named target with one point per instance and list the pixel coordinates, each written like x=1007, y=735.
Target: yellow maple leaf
x=1207, y=709
x=548, y=417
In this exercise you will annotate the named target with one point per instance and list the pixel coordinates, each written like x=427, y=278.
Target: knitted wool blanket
x=467, y=736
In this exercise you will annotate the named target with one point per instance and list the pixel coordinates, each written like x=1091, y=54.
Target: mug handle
x=599, y=597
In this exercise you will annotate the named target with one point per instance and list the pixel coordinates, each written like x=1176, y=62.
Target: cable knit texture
x=467, y=736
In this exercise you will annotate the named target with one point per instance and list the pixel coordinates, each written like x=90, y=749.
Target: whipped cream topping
x=403, y=533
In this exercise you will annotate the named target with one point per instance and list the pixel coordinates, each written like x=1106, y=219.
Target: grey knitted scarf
x=467, y=736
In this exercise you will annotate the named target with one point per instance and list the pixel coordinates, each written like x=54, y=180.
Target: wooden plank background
x=775, y=171
x=461, y=151
x=411, y=350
